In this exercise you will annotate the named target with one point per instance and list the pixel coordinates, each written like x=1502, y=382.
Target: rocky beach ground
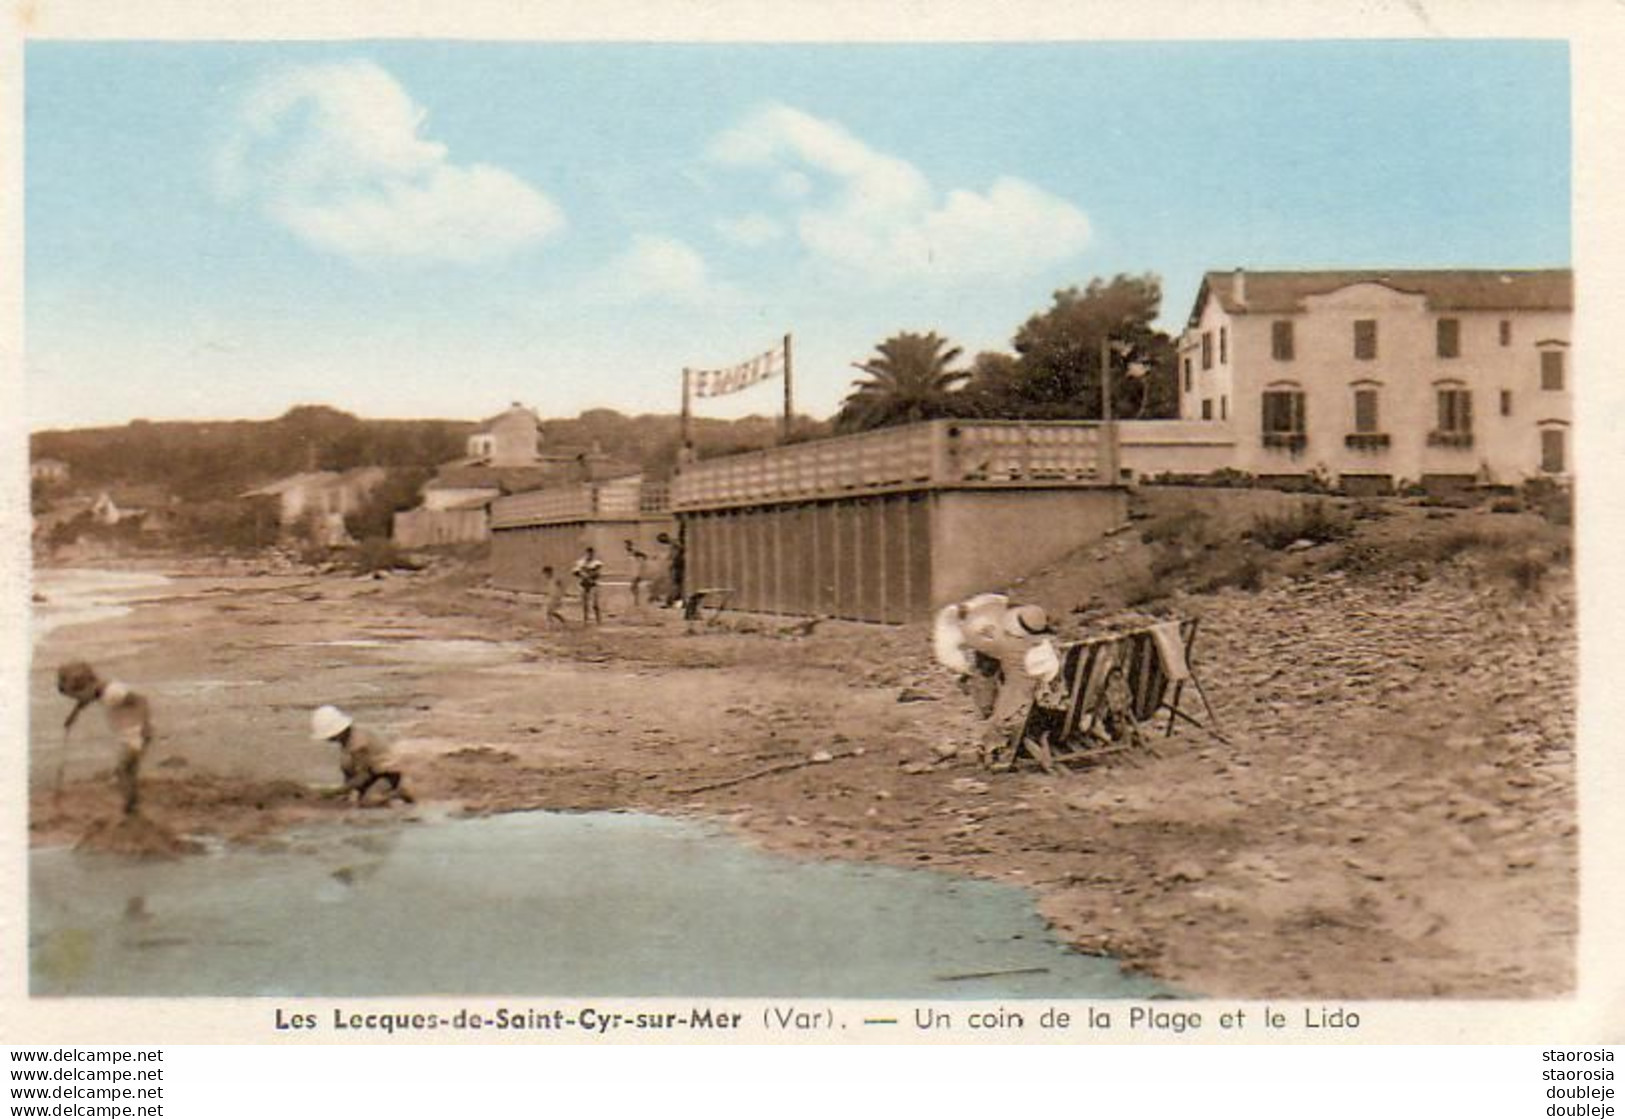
x=1392, y=815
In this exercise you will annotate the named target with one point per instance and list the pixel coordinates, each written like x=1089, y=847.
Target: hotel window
x=1281, y=339
x=1367, y=434
x=1284, y=418
x=1506, y=332
x=1455, y=426
x=1224, y=407
x=1552, y=450
x=1365, y=339
x=1207, y=409
x=1365, y=411
x=1506, y=402
x=1551, y=370
x=1207, y=349
x=1449, y=338
x=1224, y=344
x=1188, y=377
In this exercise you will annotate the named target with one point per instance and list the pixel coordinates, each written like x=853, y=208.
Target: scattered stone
x=968, y=785
x=914, y=695
x=1365, y=869
x=821, y=756
x=1187, y=870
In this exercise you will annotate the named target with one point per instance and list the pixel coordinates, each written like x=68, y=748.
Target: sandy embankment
x=1394, y=815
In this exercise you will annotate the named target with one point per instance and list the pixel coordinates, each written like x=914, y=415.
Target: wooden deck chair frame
x=1187, y=633
x=1067, y=733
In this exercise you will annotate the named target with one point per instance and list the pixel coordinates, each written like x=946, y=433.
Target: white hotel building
x=1380, y=378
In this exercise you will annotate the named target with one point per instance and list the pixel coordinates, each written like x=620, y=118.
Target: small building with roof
x=49, y=471
x=510, y=438
x=321, y=497
x=506, y=456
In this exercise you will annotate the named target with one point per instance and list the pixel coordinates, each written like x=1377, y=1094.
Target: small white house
x=324, y=496
x=512, y=438
x=48, y=470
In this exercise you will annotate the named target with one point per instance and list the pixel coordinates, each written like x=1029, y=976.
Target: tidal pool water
x=538, y=904
x=75, y=596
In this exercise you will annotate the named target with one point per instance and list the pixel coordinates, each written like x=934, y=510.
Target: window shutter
x=1551, y=451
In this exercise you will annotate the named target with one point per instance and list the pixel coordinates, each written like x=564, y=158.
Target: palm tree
x=908, y=381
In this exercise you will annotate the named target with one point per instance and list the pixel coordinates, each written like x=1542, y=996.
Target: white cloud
x=752, y=230
x=878, y=216
x=334, y=152
x=661, y=269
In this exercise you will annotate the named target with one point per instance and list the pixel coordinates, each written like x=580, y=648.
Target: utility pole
x=682, y=429
x=789, y=407
x=1108, y=426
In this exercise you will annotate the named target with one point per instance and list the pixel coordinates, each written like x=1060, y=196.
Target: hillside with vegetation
x=198, y=471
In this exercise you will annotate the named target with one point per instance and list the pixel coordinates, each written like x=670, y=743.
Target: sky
x=436, y=228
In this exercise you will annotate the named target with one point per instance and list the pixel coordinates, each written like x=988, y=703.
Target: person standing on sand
x=553, y=588
x=365, y=758
x=640, y=568
x=128, y=714
x=588, y=570
x=674, y=565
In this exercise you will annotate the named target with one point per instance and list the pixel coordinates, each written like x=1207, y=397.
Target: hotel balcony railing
x=1293, y=441
x=1458, y=440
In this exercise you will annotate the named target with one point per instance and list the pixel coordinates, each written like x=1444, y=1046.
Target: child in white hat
x=364, y=757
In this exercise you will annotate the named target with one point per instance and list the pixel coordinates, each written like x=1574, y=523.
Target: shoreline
x=1180, y=868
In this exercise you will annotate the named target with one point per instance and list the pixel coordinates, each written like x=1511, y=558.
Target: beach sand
x=1393, y=816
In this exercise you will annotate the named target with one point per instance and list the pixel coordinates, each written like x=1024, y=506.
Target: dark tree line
x=214, y=461
x=218, y=460
x=1054, y=372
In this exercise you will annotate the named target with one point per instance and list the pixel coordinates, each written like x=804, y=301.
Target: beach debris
x=1000, y=974
x=820, y=757
x=800, y=629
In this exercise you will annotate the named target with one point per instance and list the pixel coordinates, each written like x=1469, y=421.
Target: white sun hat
x=328, y=722
x=115, y=693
